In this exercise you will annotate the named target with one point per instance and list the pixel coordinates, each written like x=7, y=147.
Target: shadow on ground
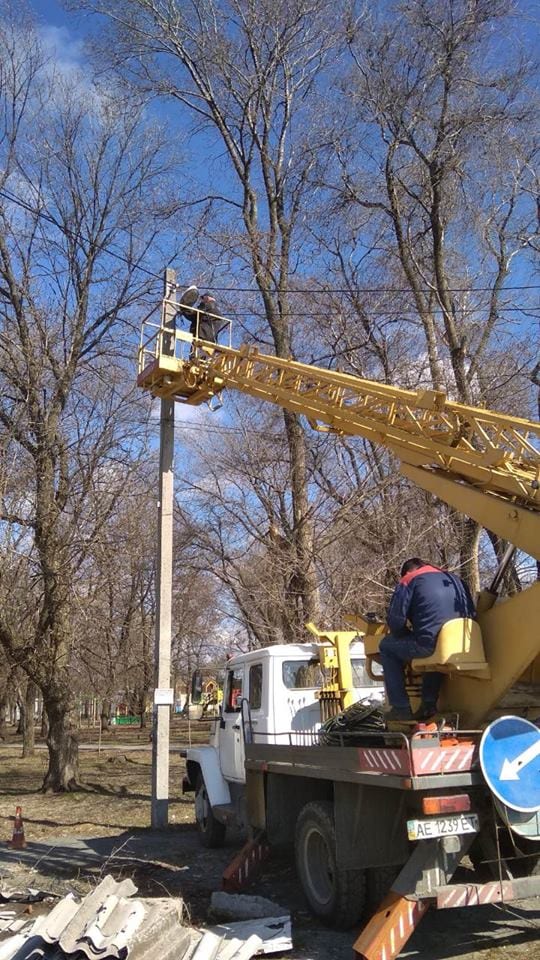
x=172, y=862
x=159, y=862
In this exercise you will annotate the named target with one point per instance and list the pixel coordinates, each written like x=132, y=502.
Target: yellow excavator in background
x=482, y=463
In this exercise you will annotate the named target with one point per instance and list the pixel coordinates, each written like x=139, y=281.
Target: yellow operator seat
x=459, y=649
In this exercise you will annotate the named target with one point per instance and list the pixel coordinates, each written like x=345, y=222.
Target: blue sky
x=50, y=11
x=65, y=30
x=65, y=33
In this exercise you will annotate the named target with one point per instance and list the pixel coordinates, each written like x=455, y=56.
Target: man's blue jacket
x=428, y=597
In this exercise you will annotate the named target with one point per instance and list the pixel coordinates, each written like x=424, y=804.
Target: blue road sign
x=510, y=761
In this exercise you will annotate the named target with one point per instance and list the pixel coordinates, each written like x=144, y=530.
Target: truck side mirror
x=196, y=687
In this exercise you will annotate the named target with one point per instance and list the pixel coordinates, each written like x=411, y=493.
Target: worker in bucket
x=204, y=321
x=424, y=600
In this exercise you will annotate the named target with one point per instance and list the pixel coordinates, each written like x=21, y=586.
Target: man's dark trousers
x=395, y=652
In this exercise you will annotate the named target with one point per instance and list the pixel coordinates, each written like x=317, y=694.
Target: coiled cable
x=349, y=727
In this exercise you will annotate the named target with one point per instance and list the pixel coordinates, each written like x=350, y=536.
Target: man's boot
x=425, y=711
x=399, y=713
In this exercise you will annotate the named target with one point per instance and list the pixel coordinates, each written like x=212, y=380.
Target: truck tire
x=334, y=895
x=378, y=880
x=211, y=831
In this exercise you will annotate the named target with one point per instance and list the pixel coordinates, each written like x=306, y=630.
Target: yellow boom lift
x=482, y=463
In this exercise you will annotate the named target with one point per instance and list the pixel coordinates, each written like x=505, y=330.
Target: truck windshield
x=308, y=674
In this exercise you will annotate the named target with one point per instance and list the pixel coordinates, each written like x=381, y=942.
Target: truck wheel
x=379, y=880
x=211, y=831
x=335, y=895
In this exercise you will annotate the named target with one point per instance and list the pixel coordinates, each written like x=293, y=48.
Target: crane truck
x=382, y=818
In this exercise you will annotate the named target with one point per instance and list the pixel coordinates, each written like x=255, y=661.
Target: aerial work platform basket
x=172, y=362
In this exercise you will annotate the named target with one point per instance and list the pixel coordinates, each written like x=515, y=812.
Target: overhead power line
x=327, y=291
x=399, y=314
x=75, y=236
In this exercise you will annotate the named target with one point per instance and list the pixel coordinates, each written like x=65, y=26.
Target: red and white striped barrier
x=245, y=865
x=441, y=759
x=389, y=928
x=479, y=894
x=419, y=760
x=384, y=760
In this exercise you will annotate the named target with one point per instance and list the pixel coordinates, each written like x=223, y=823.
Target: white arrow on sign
x=511, y=768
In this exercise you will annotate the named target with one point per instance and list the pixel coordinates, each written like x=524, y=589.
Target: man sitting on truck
x=424, y=600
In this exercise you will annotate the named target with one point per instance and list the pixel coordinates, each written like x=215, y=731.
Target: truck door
x=231, y=742
x=257, y=696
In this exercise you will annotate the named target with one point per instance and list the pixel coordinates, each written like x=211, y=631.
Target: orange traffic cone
x=18, y=842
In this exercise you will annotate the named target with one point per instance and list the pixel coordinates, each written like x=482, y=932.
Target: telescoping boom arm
x=484, y=464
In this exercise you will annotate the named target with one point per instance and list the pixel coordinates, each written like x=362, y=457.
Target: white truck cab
x=269, y=696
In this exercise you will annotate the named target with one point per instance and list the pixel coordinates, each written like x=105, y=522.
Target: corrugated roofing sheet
x=107, y=924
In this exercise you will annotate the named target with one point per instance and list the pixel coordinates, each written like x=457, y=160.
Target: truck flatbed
x=418, y=762
x=342, y=764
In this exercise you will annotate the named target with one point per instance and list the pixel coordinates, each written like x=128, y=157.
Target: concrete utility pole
x=163, y=697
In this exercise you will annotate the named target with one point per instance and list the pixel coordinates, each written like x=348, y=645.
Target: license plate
x=442, y=826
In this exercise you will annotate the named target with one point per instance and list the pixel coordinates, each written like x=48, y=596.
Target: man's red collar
x=427, y=568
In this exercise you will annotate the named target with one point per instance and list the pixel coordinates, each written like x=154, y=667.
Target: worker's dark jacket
x=209, y=326
x=428, y=598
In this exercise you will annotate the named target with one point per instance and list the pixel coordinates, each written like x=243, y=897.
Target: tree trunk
x=470, y=536
x=142, y=710
x=303, y=526
x=3, y=715
x=147, y=665
x=44, y=732
x=63, y=771
x=28, y=728
x=105, y=715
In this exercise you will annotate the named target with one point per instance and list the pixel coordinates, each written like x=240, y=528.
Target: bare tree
x=254, y=75
x=238, y=481
x=6, y=692
x=26, y=699
x=198, y=618
x=443, y=177
x=117, y=601
x=80, y=172
x=433, y=196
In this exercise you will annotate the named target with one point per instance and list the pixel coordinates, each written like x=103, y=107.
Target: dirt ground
x=74, y=839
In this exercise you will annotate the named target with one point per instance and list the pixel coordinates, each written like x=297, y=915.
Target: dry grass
x=115, y=795
x=113, y=802
x=115, y=788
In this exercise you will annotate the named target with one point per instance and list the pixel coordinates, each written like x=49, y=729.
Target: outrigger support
x=389, y=928
x=431, y=865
